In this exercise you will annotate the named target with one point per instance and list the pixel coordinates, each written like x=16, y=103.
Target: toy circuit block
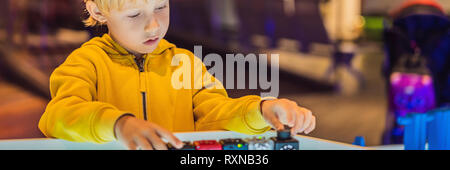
x=260, y=143
x=186, y=146
x=234, y=144
x=284, y=140
x=207, y=145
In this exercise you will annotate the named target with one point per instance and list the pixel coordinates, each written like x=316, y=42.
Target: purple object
x=411, y=93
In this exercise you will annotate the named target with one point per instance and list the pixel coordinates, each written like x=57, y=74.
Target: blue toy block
x=439, y=130
x=415, y=130
x=359, y=140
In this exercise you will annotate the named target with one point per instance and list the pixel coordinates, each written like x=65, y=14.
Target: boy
x=118, y=87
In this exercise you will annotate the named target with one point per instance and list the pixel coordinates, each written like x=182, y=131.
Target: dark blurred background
x=331, y=54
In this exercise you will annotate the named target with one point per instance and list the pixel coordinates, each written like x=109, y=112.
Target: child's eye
x=134, y=16
x=160, y=8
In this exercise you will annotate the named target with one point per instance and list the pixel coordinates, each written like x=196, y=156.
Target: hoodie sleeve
x=214, y=110
x=73, y=114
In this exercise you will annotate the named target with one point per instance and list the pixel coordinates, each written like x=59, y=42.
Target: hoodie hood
x=119, y=54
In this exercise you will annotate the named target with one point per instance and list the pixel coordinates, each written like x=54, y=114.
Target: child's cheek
x=135, y=24
x=133, y=21
x=164, y=20
x=165, y=14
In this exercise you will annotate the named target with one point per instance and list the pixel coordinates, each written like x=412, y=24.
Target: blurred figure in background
x=35, y=37
x=417, y=63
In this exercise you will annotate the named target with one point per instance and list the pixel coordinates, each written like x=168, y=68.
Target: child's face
x=139, y=26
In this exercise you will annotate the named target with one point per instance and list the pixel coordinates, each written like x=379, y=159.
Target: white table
x=306, y=143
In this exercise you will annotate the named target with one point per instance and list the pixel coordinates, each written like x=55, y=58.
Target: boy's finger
x=172, y=139
x=293, y=130
x=273, y=121
x=156, y=141
x=285, y=113
x=277, y=124
x=280, y=113
x=143, y=143
x=308, y=117
x=312, y=126
x=291, y=114
x=131, y=145
x=299, y=123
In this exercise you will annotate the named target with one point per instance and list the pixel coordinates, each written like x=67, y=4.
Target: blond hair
x=104, y=6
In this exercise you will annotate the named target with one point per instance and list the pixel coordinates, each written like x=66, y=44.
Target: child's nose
x=153, y=26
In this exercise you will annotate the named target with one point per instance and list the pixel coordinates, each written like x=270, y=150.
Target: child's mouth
x=151, y=41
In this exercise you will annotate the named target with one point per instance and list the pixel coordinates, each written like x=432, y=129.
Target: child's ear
x=94, y=12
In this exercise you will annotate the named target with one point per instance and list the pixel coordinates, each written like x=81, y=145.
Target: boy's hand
x=139, y=134
x=283, y=111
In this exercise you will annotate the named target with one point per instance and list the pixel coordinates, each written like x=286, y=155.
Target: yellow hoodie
x=100, y=82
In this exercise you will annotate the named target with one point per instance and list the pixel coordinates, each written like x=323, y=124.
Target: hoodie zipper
x=140, y=63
